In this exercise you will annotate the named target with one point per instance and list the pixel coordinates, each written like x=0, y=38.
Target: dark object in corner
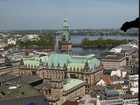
x=131, y=24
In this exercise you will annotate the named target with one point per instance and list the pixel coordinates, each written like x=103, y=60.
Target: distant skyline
x=81, y=14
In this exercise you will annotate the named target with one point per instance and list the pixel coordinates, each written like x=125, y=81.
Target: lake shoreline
x=88, y=50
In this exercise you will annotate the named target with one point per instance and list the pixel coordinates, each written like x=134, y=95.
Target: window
x=127, y=59
x=86, y=80
x=54, y=85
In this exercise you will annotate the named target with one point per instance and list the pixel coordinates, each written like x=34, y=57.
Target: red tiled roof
x=107, y=80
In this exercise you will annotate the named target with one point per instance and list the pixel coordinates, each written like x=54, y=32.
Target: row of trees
x=102, y=43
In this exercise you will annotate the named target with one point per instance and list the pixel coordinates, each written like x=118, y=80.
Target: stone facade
x=9, y=70
x=66, y=47
x=113, y=61
x=62, y=90
x=90, y=78
x=50, y=72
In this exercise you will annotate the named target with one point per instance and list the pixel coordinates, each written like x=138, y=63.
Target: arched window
x=70, y=68
x=74, y=69
x=54, y=74
x=78, y=69
x=43, y=74
x=86, y=80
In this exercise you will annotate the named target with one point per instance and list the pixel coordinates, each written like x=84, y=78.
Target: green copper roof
x=79, y=66
x=44, y=58
x=34, y=62
x=60, y=59
x=74, y=63
x=78, y=60
x=71, y=83
x=66, y=33
x=93, y=63
x=75, y=67
x=31, y=63
x=81, y=59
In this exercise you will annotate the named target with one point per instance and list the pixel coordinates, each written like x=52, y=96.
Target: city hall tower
x=66, y=44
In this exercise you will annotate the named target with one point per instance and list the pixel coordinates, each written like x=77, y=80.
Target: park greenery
x=43, y=42
x=48, y=41
x=102, y=43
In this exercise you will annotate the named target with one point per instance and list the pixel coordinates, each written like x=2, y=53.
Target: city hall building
x=64, y=65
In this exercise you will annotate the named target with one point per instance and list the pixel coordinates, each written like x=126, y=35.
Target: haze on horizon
x=81, y=14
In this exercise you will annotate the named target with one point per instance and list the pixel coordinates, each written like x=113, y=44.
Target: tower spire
x=66, y=45
x=65, y=10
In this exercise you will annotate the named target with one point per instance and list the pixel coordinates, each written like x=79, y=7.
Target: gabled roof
x=117, y=86
x=119, y=72
x=114, y=77
x=107, y=80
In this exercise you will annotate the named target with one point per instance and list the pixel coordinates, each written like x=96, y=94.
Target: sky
x=81, y=14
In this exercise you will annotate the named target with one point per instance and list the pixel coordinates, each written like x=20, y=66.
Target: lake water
x=78, y=39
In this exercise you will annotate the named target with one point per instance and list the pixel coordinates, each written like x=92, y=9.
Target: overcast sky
x=81, y=14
